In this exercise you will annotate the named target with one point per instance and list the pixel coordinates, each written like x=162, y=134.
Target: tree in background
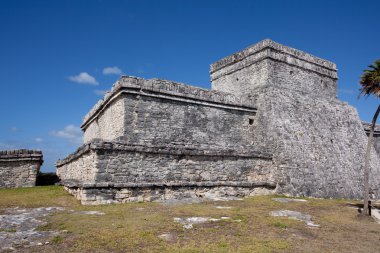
x=370, y=82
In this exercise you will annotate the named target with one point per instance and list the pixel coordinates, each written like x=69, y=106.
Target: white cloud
x=71, y=133
x=38, y=140
x=100, y=92
x=84, y=78
x=14, y=129
x=112, y=71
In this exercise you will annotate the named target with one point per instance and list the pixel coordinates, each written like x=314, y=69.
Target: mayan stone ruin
x=271, y=123
x=19, y=168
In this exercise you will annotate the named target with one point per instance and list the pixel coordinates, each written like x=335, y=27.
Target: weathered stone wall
x=79, y=166
x=318, y=145
x=132, y=169
x=185, y=123
x=109, y=124
x=159, y=112
x=175, y=136
x=19, y=168
x=318, y=142
x=90, y=195
x=376, y=135
x=268, y=63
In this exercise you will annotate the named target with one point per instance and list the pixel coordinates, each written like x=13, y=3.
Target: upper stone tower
x=270, y=63
x=317, y=140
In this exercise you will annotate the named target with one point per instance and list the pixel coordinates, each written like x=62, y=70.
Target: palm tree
x=370, y=82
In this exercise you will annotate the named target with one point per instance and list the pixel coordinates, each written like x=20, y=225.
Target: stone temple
x=19, y=168
x=271, y=123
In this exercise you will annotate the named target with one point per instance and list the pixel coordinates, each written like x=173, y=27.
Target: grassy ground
x=135, y=227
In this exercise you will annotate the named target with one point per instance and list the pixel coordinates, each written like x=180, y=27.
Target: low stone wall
x=113, y=195
x=121, y=172
x=376, y=135
x=19, y=168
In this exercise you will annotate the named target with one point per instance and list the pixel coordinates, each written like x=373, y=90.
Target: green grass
x=10, y=230
x=135, y=227
x=280, y=224
x=57, y=239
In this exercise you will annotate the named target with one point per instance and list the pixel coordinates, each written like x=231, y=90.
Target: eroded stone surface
x=189, y=222
x=18, y=227
x=223, y=207
x=167, y=196
x=169, y=237
x=89, y=212
x=296, y=216
x=19, y=168
x=288, y=200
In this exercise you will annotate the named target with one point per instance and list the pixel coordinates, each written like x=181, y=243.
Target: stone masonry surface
x=317, y=141
x=135, y=106
x=376, y=135
x=19, y=168
x=271, y=123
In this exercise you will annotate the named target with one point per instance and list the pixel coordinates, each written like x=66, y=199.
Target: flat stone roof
x=270, y=49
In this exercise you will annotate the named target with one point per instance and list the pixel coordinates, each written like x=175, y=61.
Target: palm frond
x=370, y=80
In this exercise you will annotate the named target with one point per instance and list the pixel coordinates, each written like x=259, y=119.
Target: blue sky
x=56, y=57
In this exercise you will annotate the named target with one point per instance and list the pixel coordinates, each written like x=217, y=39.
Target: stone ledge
x=79, y=152
x=297, y=55
x=367, y=126
x=169, y=89
x=97, y=145
x=77, y=184
x=21, y=155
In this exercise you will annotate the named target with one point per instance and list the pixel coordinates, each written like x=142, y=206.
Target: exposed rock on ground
x=189, y=222
x=287, y=200
x=18, y=227
x=223, y=207
x=169, y=237
x=296, y=216
x=90, y=212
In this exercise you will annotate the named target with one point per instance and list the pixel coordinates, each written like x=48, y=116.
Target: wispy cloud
x=100, y=92
x=38, y=140
x=70, y=132
x=84, y=78
x=112, y=71
x=14, y=129
x=346, y=91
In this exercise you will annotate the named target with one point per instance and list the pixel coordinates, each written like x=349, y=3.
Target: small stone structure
x=19, y=168
x=271, y=123
x=376, y=135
